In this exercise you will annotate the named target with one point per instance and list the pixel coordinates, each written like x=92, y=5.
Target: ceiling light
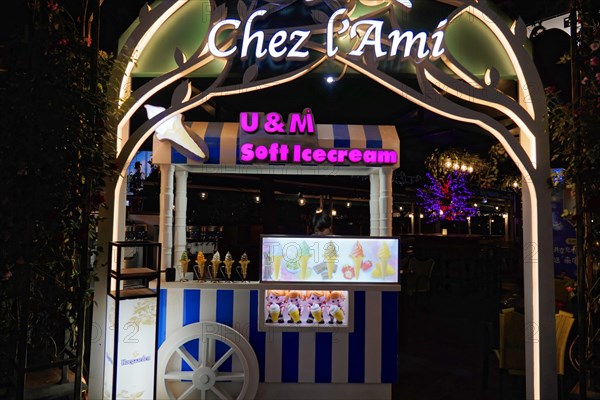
x=203, y=195
x=256, y=199
x=348, y=204
x=301, y=200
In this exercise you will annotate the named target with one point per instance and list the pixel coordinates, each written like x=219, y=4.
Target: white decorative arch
x=530, y=151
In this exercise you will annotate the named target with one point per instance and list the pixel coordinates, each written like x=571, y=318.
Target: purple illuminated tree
x=446, y=198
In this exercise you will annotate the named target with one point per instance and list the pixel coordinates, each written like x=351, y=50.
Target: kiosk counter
x=323, y=317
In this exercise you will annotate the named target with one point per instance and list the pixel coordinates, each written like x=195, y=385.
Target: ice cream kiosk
x=219, y=339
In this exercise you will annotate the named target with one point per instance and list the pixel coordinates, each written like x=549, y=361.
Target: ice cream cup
x=294, y=313
x=316, y=312
x=337, y=313
x=274, y=311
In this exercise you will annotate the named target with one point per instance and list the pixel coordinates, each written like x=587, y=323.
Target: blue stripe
x=177, y=158
x=389, y=336
x=356, y=342
x=224, y=316
x=162, y=318
x=212, y=138
x=290, y=344
x=323, y=357
x=373, y=136
x=341, y=136
x=256, y=338
x=191, y=315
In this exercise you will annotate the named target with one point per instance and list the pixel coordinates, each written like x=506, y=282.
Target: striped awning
x=223, y=141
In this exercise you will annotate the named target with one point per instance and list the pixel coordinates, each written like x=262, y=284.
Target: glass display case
x=310, y=281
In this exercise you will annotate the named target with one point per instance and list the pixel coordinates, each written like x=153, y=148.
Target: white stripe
x=273, y=354
x=373, y=337
x=173, y=321
x=306, y=357
x=325, y=138
x=358, y=139
x=339, y=354
x=241, y=320
x=208, y=305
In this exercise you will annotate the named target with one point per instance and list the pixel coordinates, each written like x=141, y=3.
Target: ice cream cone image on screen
x=316, y=312
x=331, y=256
x=277, y=265
x=357, y=257
x=274, y=311
x=216, y=262
x=294, y=313
x=304, y=257
x=228, y=263
x=381, y=267
x=337, y=313
x=244, y=264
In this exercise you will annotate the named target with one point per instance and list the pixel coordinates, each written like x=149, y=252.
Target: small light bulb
x=456, y=166
x=329, y=79
x=470, y=169
x=463, y=168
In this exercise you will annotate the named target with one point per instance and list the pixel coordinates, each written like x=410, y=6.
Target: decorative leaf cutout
x=242, y=10
x=220, y=13
x=492, y=77
x=144, y=13
x=250, y=74
x=179, y=57
x=181, y=93
x=319, y=16
x=519, y=29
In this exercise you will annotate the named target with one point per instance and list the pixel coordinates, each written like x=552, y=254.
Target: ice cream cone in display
x=316, y=312
x=331, y=257
x=274, y=312
x=244, y=264
x=216, y=262
x=276, y=266
x=357, y=255
x=228, y=263
x=304, y=257
x=294, y=313
x=201, y=261
x=337, y=313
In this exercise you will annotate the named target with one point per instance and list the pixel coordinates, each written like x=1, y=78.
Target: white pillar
x=180, y=211
x=165, y=233
x=374, y=203
x=538, y=279
x=385, y=202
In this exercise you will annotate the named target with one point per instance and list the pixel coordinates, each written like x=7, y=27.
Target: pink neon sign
x=277, y=152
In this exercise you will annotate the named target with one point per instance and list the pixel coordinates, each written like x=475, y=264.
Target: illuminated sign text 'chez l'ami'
x=291, y=44
x=301, y=124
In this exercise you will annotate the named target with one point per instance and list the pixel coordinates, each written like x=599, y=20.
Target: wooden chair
x=511, y=345
x=564, y=323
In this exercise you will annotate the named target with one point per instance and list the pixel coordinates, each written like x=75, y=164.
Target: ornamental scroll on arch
x=437, y=87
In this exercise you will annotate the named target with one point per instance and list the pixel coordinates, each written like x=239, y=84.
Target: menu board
x=344, y=259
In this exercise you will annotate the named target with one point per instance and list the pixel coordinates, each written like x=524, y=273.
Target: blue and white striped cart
x=211, y=345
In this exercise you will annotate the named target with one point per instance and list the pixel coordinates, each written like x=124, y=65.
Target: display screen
x=365, y=259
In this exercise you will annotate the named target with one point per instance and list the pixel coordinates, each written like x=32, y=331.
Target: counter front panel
x=368, y=354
